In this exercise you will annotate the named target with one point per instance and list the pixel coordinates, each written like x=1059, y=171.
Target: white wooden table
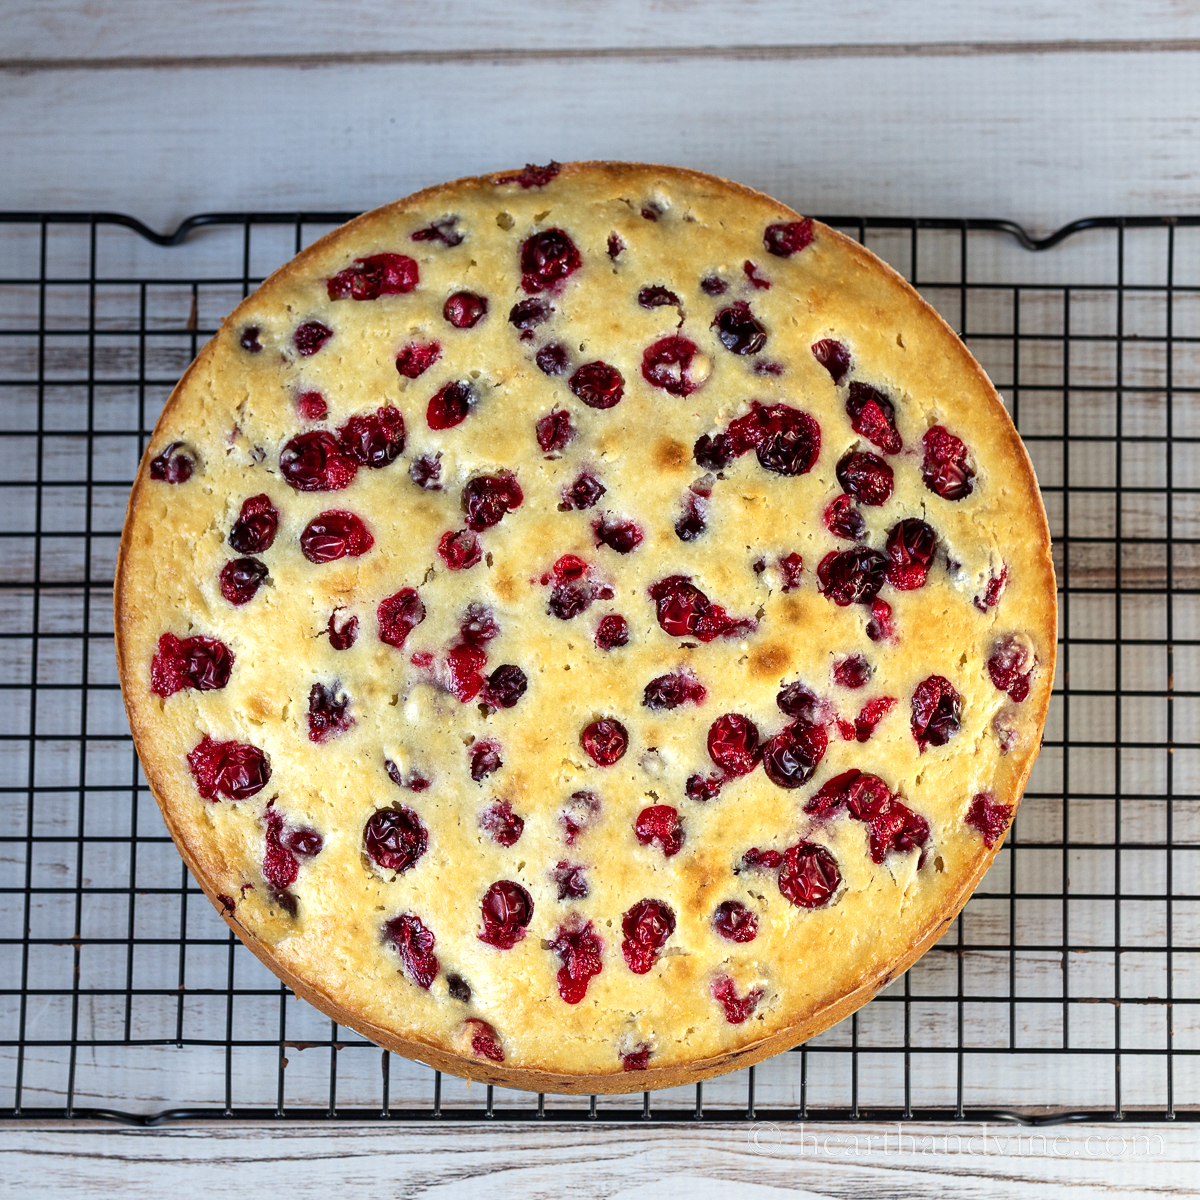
x=1033, y=111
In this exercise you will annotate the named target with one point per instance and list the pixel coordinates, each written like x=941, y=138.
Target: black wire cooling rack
x=1069, y=988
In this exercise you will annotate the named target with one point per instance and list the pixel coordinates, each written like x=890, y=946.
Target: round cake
x=587, y=628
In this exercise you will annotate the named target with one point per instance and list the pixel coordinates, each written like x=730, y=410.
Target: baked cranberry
x=693, y=522
x=809, y=875
x=335, y=534
x=310, y=337
x=791, y=441
x=505, y=686
x=464, y=310
x=739, y=331
x=173, y=465
x=991, y=593
x=615, y=246
x=554, y=431
x=990, y=818
x=501, y=824
x=374, y=439
x=911, y=546
x=598, y=385
x=613, y=631
x=851, y=672
x=866, y=477
x=637, y=1059
x=797, y=700
x=936, y=712
x=485, y=760
x=328, y=712
x=414, y=781
x=464, y=672
x=890, y=824
x=304, y=842
x=792, y=755
x=343, y=636
x=750, y=270
x=249, y=339
x=254, y=530
x=1010, y=666
x=459, y=989
x=580, y=811
x=670, y=691
x=532, y=176
x=570, y=879
x=487, y=498
x=667, y=364
x=584, y=492
x=370, y=278
x=703, y=788
x=449, y=405
x=733, y=744
x=569, y=598
x=651, y=212
x=605, y=740
x=621, y=536
x=870, y=715
x=417, y=357
x=685, y=611
x=316, y=462
x=426, y=471
x=655, y=296
x=398, y=616
x=880, y=627
x=441, y=230
x=280, y=867
x=844, y=520
x=547, y=258
x=737, y=1008
x=788, y=238
x=485, y=1041
x=766, y=860
x=833, y=356
x=552, y=359
x=647, y=926
x=478, y=625
x=791, y=568
x=873, y=415
x=735, y=922
x=460, y=550
x=233, y=770
x=945, y=469
x=507, y=909
x=659, y=824
x=414, y=943
x=311, y=406
x=852, y=576
x=713, y=452
x=394, y=838
x=241, y=578
x=529, y=314
x=198, y=662
x=713, y=285
x=579, y=949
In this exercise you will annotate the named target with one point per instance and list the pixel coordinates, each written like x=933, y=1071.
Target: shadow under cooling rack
x=1068, y=988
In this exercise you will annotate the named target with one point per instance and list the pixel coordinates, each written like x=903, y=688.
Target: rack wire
x=1068, y=989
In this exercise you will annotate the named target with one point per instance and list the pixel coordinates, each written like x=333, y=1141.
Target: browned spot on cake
x=670, y=455
x=790, y=609
x=504, y=586
x=770, y=660
x=259, y=705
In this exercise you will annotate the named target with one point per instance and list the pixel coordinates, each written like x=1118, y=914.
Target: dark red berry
x=851, y=672
x=554, y=431
x=335, y=534
x=615, y=245
x=529, y=314
x=739, y=331
x=532, y=176
x=703, y=788
x=280, y=867
x=579, y=950
x=569, y=598
x=584, y=492
x=637, y=1059
x=374, y=439
x=791, y=441
x=733, y=744
x=647, y=926
x=613, y=631
x=659, y=824
x=241, y=578
x=553, y=359
x=844, y=520
x=198, y=662
x=738, y=1009
x=797, y=700
x=655, y=296
x=791, y=568
x=449, y=405
x=880, y=627
x=870, y=715
x=328, y=712
x=693, y=522
x=570, y=879
x=833, y=356
x=667, y=364
x=417, y=357
x=547, y=258
x=1010, y=666
x=306, y=843
x=460, y=550
x=852, y=576
x=507, y=909
x=485, y=760
x=394, y=838
x=440, y=231
x=735, y=922
x=605, y=740
x=487, y=498
x=426, y=471
x=713, y=285
x=398, y=616
x=767, y=860
x=685, y=611
x=343, y=636
x=578, y=814
x=172, y=465
x=911, y=546
x=873, y=415
x=651, y=212
x=464, y=671
x=809, y=875
x=714, y=452
x=370, y=278
x=459, y=990
x=255, y=529
x=505, y=686
x=464, y=310
x=936, y=712
x=990, y=818
x=478, y=625
x=788, y=238
x=316, y=462
x=310, y=337
x=311, y=406
x=233, y=770
x=414, y=943
x=414, y=781
x=991, y=594
x=501, y=824
x=598, y=385
x=670, y=691
x=249, y=339
x=621, y=536
x=866, y=477
x=945, y=468
x=792, y=755
x=485, y=1041
x=750, y=270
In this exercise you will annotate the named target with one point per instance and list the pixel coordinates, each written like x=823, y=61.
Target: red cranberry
x=791, y=568
x=464, y=310
x=637, y=1059
x=464, y=666
x=485, y=760
x=621, y=536
x=584, y=492
x=667, y=365
x=569, y=598
x=890, y=824
x=310, y=337
x=249, y=339
x=505, y=686
x=756, y=859
x=735, y=922
x=685, y=611
x=507, y=909
x=487, y=498
x=374, y=439
x=254, y=530
x=833, y=356
x=792, y=755
x=316, y=462
x=733, y=744
x=991, y=594
x=335, y=534
x=647, y=926
x=750, y=270
x=414, y=943
x=485, y=1042
x=328, y=712
x=605, y=740
x=459, y=990
x=788, y=238
x=501, y=824
x=440, y=231
x=911, y=546
x=880, y=627
x=659, y=824
x=426, y=471
x=936, y=712
x=417, y=357
x=873, y=415
x=791, y=441
x=306, y=843
x=370, y=278
x=394, y=838
x=554, y=431
x=990, y=818
x=532, y=176
x=202, y=663
x=693, y=522
x=398, y=616
x=415, y=782
x=713, y=452
x=866, y=477
x=233, y=770
x=737, y=1008
x=670, y=691
x=529, y=314
x=945, y=469
x=598, y=385
x=342, y=637
x=853, y=576
x=739, y=331
x=547, y=258
x=578, y=815
x=241, y=578
x=570, y=879
x=870, y=715
x=311, y=406
x=809, y=875
x=552, y=359
x=713, y=285
x=280, y=867
x=613, y=631
x=173, y=465
x=615, y=246
x=844, y=520
x=450, y=405
x=797, y=700
x=460, y=550
x=703, y=788
x=851, y=672
x=478, y=625
x=1010, y=667
x=655, y=296
x=579, y=950
x=651, y=212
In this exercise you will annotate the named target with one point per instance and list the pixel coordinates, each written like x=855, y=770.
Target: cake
x=587, y=628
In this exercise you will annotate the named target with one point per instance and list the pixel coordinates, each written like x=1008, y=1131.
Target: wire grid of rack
x=1068, y=988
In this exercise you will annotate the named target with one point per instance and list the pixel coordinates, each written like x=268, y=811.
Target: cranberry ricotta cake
x=587, y=628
